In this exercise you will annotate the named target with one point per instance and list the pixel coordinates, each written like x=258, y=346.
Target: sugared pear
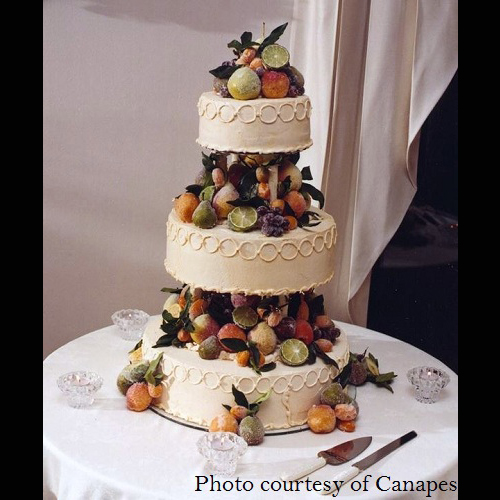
x=204, y=216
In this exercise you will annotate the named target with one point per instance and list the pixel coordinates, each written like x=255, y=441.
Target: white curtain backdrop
x=374, y=70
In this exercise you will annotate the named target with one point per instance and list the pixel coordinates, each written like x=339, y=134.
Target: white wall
x=121, y=83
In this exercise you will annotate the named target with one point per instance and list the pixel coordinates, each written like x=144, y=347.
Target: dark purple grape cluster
x=295, y=91
x=260, y=71
x=229, y=63
x=329, y=333
x=271, y=222
x=286, y=328
x=224, y=92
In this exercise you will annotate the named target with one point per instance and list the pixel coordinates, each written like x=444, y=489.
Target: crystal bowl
x=428, y=383
x=131, y=323
x=80, y=387
x=222, y=451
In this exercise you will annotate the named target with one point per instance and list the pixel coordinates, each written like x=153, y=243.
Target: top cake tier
x=254, y=126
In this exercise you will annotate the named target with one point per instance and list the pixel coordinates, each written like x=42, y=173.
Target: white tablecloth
x=109, y=452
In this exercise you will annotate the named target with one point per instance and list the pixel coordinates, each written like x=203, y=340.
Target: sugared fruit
x=204, y=327
x=245, y=317
x=262, y=174
x=198, y=307
x=207, y=193
x=238, y=299
x=303, y=309
x=321, y=419
x=256, y=63
x=274, y=318
x=324, y=344
x=155, y=391
x=231, y=331
x=345, y=412
x=333, y=395
x=295, y=76
x=297, y=203
x=349, y=426
x=279, y=204
x=292, y=222
x=323, y=321
x=275, y=56
x=358, y=373
x=289, y=169
x=185, y=205
x=210, y=348
x=294, y=352
x=224, y=422
x=219, y=177
x=304, y=331
x=242, y=219
x=220, y=201
x=138, y=397
x=244, y=84
x=248, y=55
x=204, y=216
x=184, y=336
x=275, y=84
x=239, y=412
x=265, y=338
x=263, y=191
x=251, y=430
x=236, y=172
x=286, y=328
x=242, y=358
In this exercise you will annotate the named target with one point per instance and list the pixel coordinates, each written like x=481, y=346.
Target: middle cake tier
x=226, y=261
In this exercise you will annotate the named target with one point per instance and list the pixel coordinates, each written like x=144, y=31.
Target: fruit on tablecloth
x=204, y=215
x=239, y=412
x=138, y=397
x=155, y=391
x=321, y=419
x=333, y=395
x=224, y=422
x=251, y=430
x=185, y=205
x=244, y=84
x=358, y=374
x=265, y=338
x=210, y=348
x=349, y=426
x=345, y=412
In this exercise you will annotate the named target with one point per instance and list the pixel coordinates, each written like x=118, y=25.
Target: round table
x=109, y=452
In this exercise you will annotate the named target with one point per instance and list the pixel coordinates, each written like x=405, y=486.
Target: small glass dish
x=131, y=323
x=222, y=451
x=80, y=387
x=428, y=383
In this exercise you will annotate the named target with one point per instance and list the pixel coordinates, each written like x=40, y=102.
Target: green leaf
x=273, y=37
x=171, y=290
x=306, y=174
x=309, y=219
x=385, y=377
x=254, y=366
x=139, y=344
x=268, y=367
x=239, y=398
x=387, y=386
x=196, y=189
x=224, y=71
x=263, y=398
x=247, y=184
x=234, y=44
x=227, y=407
x=255, y=202
x=373, y=358
x=371, y=365
x=322, y=355
x=315, y=193
x=153, y=366
x=294, y=157
x=236, y=345
x=167, y=316
x=246, y=38
x=316, y=307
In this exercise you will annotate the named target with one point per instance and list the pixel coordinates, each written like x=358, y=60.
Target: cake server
x=337, y=455
x=350, y=473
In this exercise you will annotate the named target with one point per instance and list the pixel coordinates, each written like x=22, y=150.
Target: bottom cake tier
x=195, y=389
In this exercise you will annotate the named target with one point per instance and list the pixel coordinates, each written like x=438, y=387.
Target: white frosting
x=226, y=261
x=195, y=389
x=254, y=126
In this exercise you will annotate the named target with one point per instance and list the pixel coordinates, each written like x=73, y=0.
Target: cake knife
x=350, y=473
x=337, y=455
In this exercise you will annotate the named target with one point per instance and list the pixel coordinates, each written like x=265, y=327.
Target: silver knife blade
x=384, y=451
x=346, y=451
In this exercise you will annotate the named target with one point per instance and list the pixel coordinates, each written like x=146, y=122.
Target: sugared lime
x=294, y=352
x=245, y=317
x=242, y=218
x=275, y=56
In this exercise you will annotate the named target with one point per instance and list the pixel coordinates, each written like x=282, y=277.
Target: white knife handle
x=306, y=468
x=345, y=476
